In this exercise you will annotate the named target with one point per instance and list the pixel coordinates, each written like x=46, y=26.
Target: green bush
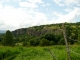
x=34, y=42
x=26, y=44
x=44, y=42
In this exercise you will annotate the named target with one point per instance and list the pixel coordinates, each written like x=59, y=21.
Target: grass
x=38, y=53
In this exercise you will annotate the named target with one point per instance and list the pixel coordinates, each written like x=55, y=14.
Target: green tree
x=49, y=36
x=34, y=42
x=0, y=39
x=8, y=39
x=79, y=34
x=44, y=42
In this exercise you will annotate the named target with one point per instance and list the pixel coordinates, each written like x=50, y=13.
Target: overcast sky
x=15, y=14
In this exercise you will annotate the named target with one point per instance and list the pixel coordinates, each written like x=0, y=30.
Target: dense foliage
x=8, y=39
x=44, y=35
x=38, y=53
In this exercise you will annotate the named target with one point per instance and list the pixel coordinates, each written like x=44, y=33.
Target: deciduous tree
x=8, y=39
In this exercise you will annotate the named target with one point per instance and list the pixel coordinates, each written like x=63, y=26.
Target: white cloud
x=26, y=15
x=48, y=4
x=17, y=0
x=68, y=9
x=0, y=2
x=10, y=0
x=1, y=22
x=59, y=2
x=72, y=2
x=18, y=18
x=57, y=14
x=28, y=5
x=12, y=16
x=45, y=4
x=35, y=1
x=70, y=17
x=67, y=2
x=0, y=6
x=5, y=0
x=37, y=18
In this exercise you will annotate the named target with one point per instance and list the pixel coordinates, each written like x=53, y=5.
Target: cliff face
x=38, y=30
x=52, y=28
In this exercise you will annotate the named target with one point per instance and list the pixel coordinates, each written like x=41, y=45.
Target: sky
x=15, y=14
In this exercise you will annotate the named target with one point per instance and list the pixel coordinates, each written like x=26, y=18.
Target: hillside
x=42, y=29
x=52, y=33
x=46, y=35
x=39, y=30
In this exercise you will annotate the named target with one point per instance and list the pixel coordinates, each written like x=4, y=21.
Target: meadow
x=38, y=53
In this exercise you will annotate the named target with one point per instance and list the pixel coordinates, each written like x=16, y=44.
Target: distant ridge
x=2, y=31
x=43, y=29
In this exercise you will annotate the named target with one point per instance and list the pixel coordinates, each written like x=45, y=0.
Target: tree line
x=44, y=35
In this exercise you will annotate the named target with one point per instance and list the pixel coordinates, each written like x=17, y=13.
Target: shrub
x=26, y=44
x=44, y=42
x=34, y=42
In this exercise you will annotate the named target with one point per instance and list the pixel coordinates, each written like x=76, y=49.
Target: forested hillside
x=51, y=34
x=44, y=35
x=40, y=30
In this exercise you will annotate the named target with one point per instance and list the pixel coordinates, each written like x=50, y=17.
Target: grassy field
x=38, y=53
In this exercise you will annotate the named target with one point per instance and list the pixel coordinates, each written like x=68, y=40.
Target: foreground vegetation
x=38, y=53
x=33, y=43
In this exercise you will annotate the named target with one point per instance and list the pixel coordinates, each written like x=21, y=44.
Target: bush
x=44, y=42
x=52, y=42
x=26, y=44
x=34, y=42
x=49, y=36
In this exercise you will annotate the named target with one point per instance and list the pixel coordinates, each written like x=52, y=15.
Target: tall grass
x=37, y=53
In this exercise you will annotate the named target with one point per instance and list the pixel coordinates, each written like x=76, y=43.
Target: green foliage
x=79, y=35
x=8, y=39
x=26, y=44
x=0, y=40
x=8, y=53
x=38, y=53
x=72, y=32
x=34, y=42
x=45, y=42
x=16, y=40
x=52, y=32
x=49, y=36
x=61, y=41
x=52, y=43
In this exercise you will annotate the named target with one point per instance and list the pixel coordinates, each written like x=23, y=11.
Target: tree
x=34, y=42
x=44, y=42
x=8, y=39
x=49, y=36
x=0, y=39
x=79, y=34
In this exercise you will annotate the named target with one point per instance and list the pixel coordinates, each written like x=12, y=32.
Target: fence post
x=54, y=57
x=67, y=47
x=79, y=35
